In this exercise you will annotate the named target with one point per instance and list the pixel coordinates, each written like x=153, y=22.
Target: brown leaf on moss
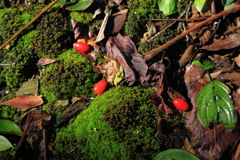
x=231, y=42
x=45, y=61
x=24, y=102
x=123, y=50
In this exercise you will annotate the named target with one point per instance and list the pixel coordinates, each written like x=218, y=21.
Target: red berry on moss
x=81, y=46
x=180, y=104
x=100, y=87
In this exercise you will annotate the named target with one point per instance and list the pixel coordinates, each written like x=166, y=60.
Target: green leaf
x=176, y=154
x=206, y=64
x=81, y=5
x=75, y=4
x=227, y=2
x=65, y=2
x=4, y=143
x=215, y=105
x=167, y=6
x=119, y=76
x=9, y=127
x=202, y=4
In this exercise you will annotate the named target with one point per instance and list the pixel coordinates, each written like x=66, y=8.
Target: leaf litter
x=185, y=81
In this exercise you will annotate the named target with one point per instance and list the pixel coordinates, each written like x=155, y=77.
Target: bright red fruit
x=81, y=46
x=180, y=104
x=100, y=87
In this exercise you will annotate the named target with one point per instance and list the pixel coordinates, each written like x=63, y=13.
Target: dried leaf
x=237, y=60
x=45, y=61
x=119, y=20
x=117, y=1
x=28, y=88
x=233, y=77
x=110, y=69
x=185, y=58
x=231, y=42
x=40, y=120
x=123, y=50
x=24, y=102
x=101, y=35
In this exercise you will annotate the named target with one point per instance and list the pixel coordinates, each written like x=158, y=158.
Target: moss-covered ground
x=119, y=124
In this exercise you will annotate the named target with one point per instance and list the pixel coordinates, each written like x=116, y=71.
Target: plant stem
x=27, y=25
x=149, y=55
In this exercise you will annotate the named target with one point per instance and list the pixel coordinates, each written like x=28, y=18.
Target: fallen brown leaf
x=24, y=102
x=45, y=61
x=231, y=42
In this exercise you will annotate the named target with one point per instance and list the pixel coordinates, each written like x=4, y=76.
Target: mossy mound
x=70, y=75
x=119, y=124
x=46, y=37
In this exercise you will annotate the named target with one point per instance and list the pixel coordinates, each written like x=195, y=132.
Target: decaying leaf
x=101, y=35
x=237, y=60
x=35, y=132
x=110, y=70
x=231, y=42
x=234, y=77
x=45, y=61
x=24, y=102
x=28, y=88
x=123, y=50
x=117, y=1
x=72, y=111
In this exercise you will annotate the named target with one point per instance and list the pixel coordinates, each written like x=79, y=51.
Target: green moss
x=70, y=75
x=119, y=124
x=82, y=17
x=47, y=37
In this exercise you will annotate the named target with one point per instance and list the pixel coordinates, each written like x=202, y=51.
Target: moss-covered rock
x=119, y=124
x=70, y=75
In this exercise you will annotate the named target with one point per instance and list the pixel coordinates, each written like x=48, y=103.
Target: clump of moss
x=82, y=17
x=70, y=75
x=47, y=37
x=119, y=124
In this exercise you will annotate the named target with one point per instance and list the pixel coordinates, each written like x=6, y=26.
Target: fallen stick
x=27, y=25
x=150, y=54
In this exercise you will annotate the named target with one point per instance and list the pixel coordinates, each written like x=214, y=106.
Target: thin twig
x=168, y=26
x=181, y=20
x=31, y=22
x=149, y=55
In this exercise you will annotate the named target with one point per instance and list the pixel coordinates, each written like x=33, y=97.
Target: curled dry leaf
x=231, y=42
x=24, y=102
x=110, y=69
x=45, y=61
x=123, y=50
x=237, y=60
x=117, y=1
x=233, y=77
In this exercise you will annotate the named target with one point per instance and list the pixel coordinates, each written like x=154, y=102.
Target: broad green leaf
x=4, y=143
x=202, y=4
x=176, y=154
x=206, y=64
x=167, y=6
x=215, y=105
x=9, y=127
x=227, y=2
x=65, y=2
x=81, y=5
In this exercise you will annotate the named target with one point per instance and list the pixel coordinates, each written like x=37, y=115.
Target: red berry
x=180, y=104
x=100, y=87
x=81, y=46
